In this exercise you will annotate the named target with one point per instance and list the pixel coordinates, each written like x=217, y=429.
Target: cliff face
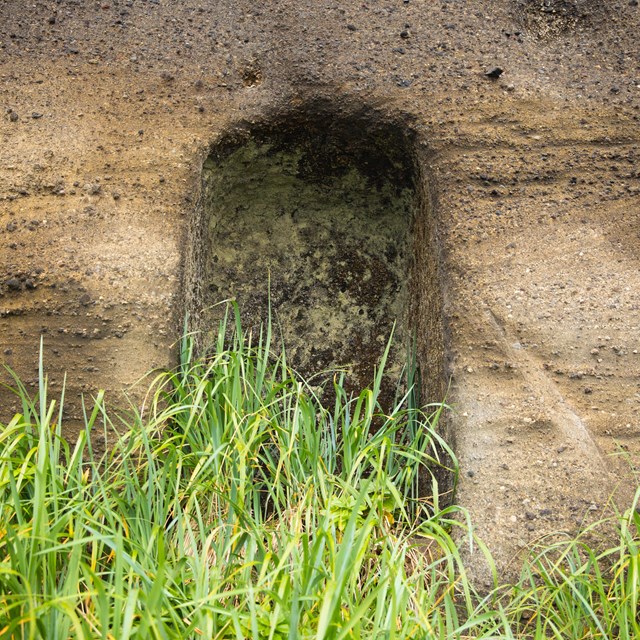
x=528, y=178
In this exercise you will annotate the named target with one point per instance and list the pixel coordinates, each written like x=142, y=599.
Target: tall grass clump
x=584, y=586
x=234, y=505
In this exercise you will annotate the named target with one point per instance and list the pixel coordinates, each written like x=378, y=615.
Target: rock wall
x=110, y=110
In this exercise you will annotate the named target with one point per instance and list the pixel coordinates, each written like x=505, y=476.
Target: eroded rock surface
x=110, y=109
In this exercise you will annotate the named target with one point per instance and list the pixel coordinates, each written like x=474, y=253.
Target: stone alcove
x=331, y=212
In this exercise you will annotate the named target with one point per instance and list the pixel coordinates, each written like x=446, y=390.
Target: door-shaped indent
x=324, y=215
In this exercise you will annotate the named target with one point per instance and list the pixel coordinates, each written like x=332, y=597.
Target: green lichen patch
x=321, y=229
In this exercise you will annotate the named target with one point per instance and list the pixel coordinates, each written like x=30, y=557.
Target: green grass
x=234, y=505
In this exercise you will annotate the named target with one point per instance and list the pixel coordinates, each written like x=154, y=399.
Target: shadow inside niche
x=332, y=214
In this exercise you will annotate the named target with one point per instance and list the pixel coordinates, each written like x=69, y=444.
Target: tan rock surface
x=108, y=109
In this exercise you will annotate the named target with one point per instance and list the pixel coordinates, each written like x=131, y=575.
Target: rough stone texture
x=109, y=109
x=315, y=226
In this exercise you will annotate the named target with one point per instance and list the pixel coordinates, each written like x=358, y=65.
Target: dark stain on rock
x=319, y=214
